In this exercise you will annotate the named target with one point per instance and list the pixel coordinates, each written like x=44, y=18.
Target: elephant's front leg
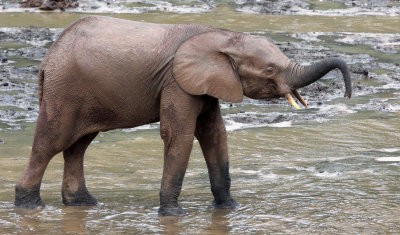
x=211, y=133
x=177, y=124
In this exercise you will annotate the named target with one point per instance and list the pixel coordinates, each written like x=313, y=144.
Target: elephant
x=104, y=73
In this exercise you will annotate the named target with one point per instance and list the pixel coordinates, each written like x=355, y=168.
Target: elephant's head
x=227, y=65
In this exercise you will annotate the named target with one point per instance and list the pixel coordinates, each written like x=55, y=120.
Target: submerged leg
x=211, y=133
x=74, y=191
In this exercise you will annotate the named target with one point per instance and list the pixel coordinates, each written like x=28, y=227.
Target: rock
x=271, y=7
x=279, y=118
x=95, y=7
x=31, y=3
x=4, y=60
x=359, y=69
x=50, y=4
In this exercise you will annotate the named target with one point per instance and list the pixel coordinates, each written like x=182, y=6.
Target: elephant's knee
x=166, y=134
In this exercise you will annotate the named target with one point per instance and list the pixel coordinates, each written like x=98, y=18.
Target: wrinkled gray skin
x=105, y=73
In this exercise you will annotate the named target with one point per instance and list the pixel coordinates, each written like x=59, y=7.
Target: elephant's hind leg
x=27, y=190
x=74, y=191
x=55, y=131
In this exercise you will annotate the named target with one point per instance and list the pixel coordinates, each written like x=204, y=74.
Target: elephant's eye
x=269, y=71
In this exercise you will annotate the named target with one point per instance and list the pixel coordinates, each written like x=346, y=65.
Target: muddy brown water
x=336, y=175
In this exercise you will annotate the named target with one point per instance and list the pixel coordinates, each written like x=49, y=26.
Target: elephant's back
x=107, y=46
x=114, y=37
x=101, y=39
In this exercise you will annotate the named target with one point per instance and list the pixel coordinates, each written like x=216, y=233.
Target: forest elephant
x=104, y=73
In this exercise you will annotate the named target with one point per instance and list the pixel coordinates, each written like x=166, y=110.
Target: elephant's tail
x=40, y=85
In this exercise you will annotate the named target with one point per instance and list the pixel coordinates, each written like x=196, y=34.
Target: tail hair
x=40, y=85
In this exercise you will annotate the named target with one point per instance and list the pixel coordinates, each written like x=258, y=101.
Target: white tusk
x=291, y=101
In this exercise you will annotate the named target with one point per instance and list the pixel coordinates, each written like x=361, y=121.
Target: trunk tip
x=347, y=94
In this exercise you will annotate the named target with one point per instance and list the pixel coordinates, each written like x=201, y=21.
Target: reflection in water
x=170, y=225
x=73, y=220
x=219, y=222
x=28, y=221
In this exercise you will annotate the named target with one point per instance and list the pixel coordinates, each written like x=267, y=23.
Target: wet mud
x=50, y=4
x=21, y=51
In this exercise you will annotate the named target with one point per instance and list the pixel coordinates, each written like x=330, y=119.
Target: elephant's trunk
x=300, y=76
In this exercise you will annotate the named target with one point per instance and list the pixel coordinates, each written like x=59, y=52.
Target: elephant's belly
x=127, y=113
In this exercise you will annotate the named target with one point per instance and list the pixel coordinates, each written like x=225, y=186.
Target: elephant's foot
x=79, y=198
x=171, y=211
x=228, y=203
x=28, y=197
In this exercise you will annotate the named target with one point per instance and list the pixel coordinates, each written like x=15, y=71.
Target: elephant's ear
x=200, y=67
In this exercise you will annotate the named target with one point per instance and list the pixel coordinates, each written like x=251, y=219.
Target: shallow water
x=336, y=171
